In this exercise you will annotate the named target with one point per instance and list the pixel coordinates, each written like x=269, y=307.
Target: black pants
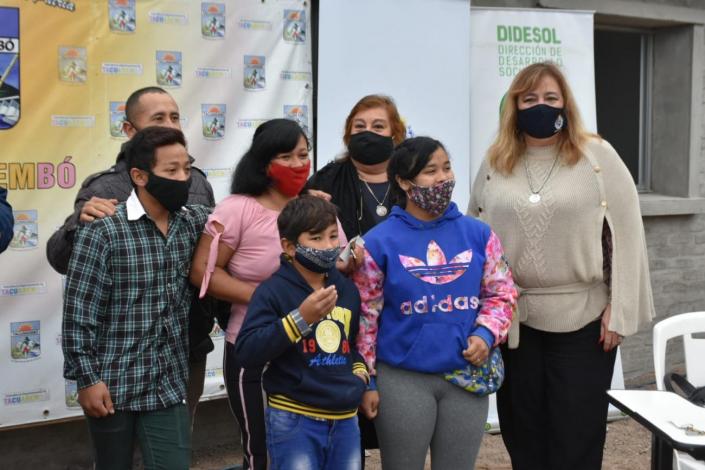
x=553, y=403
x=194, y=388
x=244, y=387
x=368, y=436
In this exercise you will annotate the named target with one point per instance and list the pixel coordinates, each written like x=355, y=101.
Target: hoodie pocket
x=437, y=348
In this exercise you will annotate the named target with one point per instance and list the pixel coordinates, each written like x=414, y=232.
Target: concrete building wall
x=587, y=4
x=676, y=246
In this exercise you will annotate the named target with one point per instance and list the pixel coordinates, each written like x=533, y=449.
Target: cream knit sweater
x=554, y=246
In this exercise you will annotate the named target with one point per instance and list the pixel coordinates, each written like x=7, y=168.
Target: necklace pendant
x=381, y=210
x=535, y=198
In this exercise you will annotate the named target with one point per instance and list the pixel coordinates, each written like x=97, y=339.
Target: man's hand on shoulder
x=97, y=208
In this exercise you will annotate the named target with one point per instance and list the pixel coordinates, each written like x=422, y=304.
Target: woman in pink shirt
x=240, y=248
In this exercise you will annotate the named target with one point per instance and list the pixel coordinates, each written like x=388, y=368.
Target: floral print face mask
x=433, y=199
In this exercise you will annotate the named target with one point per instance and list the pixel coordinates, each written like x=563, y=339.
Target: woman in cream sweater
x=567, y=211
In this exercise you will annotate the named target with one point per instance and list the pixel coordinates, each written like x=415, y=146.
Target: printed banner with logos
x=66, y=68
x=504, y=41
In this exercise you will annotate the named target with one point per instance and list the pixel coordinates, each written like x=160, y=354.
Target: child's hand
x=358, y=256
x=319, y=304
x=477, y=351
x=370, y=402
x=352, y=256
x=95, y=400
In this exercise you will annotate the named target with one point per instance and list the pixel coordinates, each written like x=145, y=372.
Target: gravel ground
x=628, y=447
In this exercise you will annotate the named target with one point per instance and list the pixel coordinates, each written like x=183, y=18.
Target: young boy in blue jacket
x=303, y=321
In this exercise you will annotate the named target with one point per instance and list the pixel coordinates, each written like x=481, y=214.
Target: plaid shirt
x=126, y=306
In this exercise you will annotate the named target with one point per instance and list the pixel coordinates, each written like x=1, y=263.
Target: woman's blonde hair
x=509, y=145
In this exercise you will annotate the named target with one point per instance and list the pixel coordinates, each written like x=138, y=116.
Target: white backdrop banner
x=413, y=50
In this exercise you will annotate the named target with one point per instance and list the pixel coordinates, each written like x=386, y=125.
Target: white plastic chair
x=683, y=325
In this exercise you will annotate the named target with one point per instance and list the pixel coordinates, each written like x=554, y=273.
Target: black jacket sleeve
x=7, y=222
x=201, y=191
x=60, y=245
x=262, y=337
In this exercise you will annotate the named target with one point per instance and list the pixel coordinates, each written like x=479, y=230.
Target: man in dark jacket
x=6, y=221
x=98, y=196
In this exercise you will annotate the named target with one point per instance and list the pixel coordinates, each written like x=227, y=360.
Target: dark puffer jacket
x=6, y=221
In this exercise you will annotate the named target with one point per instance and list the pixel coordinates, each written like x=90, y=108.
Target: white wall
x=416, y=51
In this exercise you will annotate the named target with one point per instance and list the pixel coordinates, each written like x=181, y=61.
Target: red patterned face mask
x=289, y=180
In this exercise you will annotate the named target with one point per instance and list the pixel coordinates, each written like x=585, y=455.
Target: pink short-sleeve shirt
x=250, y=229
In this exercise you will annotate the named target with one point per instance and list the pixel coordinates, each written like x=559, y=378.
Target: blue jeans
x=297, y=442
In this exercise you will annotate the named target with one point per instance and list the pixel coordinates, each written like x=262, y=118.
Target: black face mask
x=370, y=148
x=541, y=121
x=171, y=194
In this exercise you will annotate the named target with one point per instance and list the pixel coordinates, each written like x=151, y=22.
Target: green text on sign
x=528, y=34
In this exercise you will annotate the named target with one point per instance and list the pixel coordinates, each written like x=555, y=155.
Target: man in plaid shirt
x=126, y=304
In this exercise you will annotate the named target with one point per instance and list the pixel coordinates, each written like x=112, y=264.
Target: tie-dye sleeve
x=498, y=295
x=369, y=280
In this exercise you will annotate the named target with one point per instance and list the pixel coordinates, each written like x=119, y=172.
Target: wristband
x=304, y=328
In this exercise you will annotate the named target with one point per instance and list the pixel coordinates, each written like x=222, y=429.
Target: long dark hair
x=271, y=138
x=407, y=161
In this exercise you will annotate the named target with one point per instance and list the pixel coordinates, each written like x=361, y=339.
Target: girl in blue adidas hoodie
x=303, y=321
x=436, y=295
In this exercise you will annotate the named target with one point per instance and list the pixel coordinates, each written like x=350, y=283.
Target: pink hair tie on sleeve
x=210, y=265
